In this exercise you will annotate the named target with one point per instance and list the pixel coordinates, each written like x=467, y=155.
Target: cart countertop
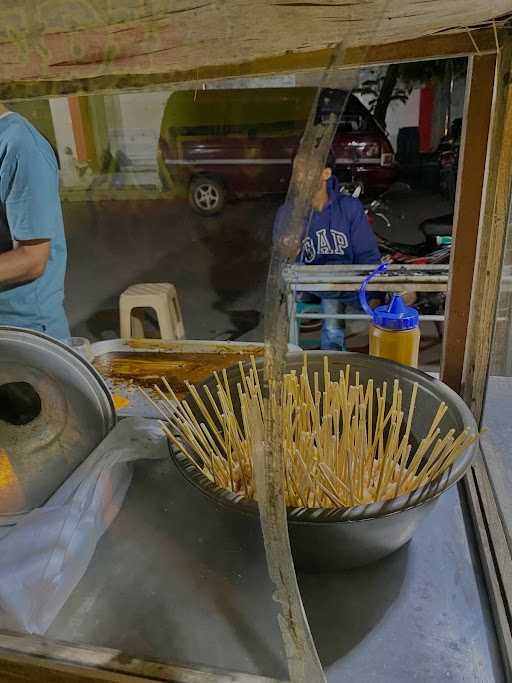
x=175, y=578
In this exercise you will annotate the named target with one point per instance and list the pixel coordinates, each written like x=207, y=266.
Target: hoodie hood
x=339, y=234
x=333, y=187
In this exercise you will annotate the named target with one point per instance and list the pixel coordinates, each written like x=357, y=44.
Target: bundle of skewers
x=345, y=443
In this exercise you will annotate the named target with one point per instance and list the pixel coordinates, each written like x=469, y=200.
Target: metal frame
x=347, y=278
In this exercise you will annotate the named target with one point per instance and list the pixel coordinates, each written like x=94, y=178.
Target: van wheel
x=207, y=196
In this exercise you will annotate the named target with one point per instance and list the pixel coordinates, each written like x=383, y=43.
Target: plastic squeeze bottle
x=394, y=331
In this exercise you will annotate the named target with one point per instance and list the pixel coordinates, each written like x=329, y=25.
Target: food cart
x=173, y=593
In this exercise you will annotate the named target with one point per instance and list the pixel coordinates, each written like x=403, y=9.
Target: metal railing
x=400, y=278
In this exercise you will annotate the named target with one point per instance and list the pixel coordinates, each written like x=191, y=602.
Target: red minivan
x=220, y=143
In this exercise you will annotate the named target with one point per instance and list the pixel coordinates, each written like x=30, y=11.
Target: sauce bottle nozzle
x=362, y=289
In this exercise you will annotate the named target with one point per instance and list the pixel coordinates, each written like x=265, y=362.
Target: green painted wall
x=187, y=109
x=39, y=114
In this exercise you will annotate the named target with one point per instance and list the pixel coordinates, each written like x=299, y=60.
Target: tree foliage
x=397, y=81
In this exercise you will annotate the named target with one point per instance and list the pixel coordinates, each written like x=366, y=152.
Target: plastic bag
x=46, y=554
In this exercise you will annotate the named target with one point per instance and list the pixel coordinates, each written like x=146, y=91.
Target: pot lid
x=76, y=413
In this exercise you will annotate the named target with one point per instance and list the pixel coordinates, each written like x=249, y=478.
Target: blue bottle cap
x=396, y=315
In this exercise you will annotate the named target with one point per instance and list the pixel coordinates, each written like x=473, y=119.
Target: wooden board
x=143, y=72
x=491, y=241
x=57, y=40
x=25, y=659
x=472, y=164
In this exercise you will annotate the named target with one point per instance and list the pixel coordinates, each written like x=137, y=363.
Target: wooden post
x=491, y=240
x=476, y=121
x=82, y=129
x=485, y=509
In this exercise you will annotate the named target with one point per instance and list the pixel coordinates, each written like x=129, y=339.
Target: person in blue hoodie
x=337, y=233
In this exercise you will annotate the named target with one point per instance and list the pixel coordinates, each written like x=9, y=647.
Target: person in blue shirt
x=32, y=242
x=337, y=232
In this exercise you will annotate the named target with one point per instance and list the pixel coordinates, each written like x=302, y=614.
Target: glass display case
x=170, y=192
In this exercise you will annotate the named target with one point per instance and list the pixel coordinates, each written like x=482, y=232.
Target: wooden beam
x=491, y=241
x=472, y=162
x=31, y=659
x=427, y=47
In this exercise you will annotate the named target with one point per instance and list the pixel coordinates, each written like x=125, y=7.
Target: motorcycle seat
x=441, y=226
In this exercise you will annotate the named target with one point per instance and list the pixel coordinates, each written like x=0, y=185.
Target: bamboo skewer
x=344, y=444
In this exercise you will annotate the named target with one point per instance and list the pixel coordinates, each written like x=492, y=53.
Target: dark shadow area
x=242, y=322
x=103, y=325
x=343, y=608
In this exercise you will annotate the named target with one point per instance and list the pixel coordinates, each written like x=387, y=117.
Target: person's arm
x=30, y=211
x=27, y=262
x=364, y=242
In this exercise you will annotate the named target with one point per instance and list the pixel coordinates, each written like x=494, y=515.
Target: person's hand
x=408, y=298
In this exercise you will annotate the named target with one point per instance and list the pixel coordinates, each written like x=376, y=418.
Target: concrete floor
x=219, y=264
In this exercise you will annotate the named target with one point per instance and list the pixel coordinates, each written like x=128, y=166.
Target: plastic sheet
x=46, y=554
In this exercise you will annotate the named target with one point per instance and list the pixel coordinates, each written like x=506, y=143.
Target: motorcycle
x=437, y=232
x=435, y=248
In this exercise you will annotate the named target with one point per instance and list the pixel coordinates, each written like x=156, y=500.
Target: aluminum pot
x=330, y=539
x=77, y=413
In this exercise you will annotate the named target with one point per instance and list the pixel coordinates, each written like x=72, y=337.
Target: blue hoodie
x=339, y=234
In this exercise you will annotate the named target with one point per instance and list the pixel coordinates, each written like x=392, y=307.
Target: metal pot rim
x=306, y=516
x=379, y=510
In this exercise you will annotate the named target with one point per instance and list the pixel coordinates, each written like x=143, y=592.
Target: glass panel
x=179, y=187
x=497, y=419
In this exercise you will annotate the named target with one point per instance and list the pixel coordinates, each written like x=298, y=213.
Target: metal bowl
x=329, y=539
